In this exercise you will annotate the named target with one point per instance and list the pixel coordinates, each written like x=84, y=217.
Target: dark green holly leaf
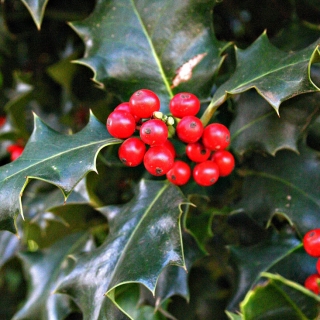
x=9, y=244
x=276, y=75
x=62, y=160
x=36, y=9
x=287, y=184
x=250, y=261
x=144, y=238
x=157, y=45
x=257, y=127
x=44, y=270
x=279, y=298
x=234, y=316
x=174, y=280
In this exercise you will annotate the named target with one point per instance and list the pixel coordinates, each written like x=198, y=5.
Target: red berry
x=184, y=104
x=158, y=160
x=311, y=242
x=143, y=103
x=15, y=151
x=154, y=132
x=216, y=136
x=189, y=129
x=311, y=283
x=180, y=173
x=206, y=173
x=170, y=146
x=132, y=151
x=125, y=106
x=225, y=161
x=121, y=124
x=2, y=120
x=197, y=152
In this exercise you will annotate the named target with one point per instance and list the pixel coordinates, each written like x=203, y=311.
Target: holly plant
x=159, y=159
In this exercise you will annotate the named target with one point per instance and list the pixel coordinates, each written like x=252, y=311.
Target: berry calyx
x=312, y=283
x=154, y=132
x=143, y=103
x=189, y=129
x=225, y=161
x=132, y=151
x=197, y=152
x=121, y=124
x=158, y=160
x=184, y=104
x=180, y=173
x=311, y=242
x=216, y=136
x=206, y=173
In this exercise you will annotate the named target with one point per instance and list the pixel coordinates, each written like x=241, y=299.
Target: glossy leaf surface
x=257, y=127
x=36, y=9
x=287, y=184
x=145, y=237
x=252, y=260
x=44, y=269
x=142, y=44
x=279, y=298
x=275, y=74
x=53, y=157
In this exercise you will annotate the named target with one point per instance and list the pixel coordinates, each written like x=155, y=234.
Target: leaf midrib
x=50, y=158
x=283, y=181
x=154, y=53
x=256, y=78
x=137, y=227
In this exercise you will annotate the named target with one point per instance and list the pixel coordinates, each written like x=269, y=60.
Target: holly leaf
x=144, y=238
x=44, y=270
x=9, y=246
x=257, y=126
x=287, y=185
x=279, y=298
x=150, y=44
x=250, y=261
x=174, y=280
x=36, y=9
x=276, y=75
x=62, y=160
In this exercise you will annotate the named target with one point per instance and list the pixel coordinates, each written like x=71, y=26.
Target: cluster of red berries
x=205, y=146
x=311, y=243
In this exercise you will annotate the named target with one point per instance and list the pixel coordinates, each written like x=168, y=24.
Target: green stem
x=208, y=114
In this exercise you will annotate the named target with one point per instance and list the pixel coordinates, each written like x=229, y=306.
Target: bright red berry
x=180, y=173
x=2, y=120
x=206, y=173
x=225, y=161
x=197, y=152
x=184, y=104
x=158, y=160
x=311, y=242
x=132, y=151
x=189, y=129
x=15, y=151
x=312, y=283
x=216, y=136
x=121, y=124
x=154, y=132
x=125, y=106
x=170, y=146
x=143, y=103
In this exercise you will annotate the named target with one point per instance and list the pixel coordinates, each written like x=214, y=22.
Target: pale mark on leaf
x=184, y=73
